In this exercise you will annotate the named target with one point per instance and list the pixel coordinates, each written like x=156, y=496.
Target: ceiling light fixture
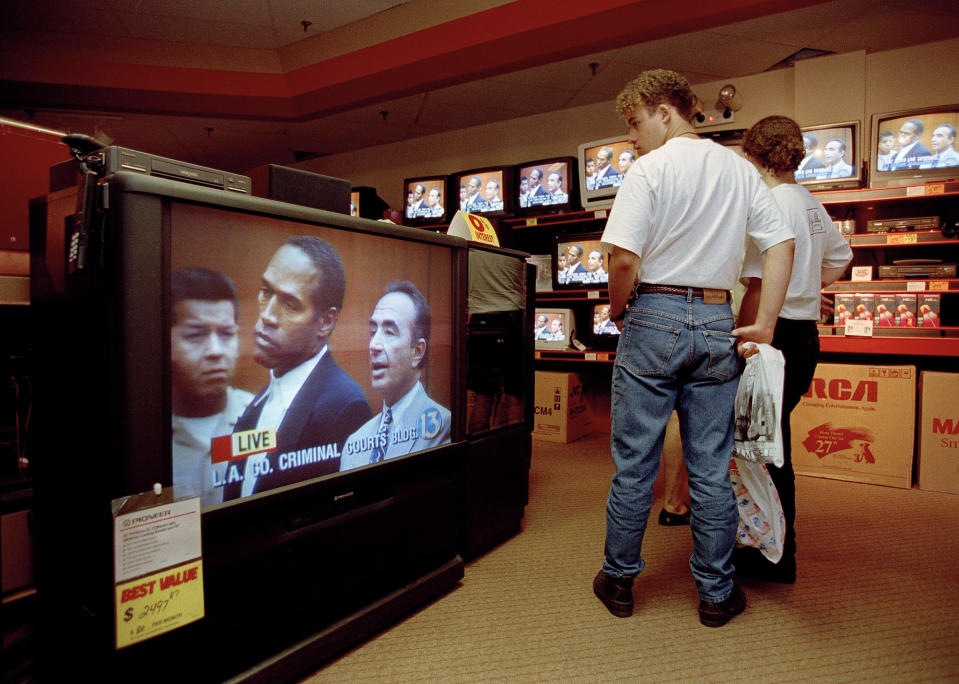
x=730, y=99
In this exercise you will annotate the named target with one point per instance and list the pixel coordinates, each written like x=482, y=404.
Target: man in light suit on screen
x=409, y=420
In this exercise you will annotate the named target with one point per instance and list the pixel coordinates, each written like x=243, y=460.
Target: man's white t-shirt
x=819, y=244
x=686, y=210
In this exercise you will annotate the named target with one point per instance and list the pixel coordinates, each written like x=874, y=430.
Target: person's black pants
x=799, y=343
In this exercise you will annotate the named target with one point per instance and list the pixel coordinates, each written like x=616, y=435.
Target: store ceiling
x=508, y=60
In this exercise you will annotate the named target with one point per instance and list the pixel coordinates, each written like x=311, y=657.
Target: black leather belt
x=714, y=295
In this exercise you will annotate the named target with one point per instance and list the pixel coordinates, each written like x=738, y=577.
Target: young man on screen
x=310, y=401
x=409, y=420
x=884, y=150
x=674, y=261
x=204, y=347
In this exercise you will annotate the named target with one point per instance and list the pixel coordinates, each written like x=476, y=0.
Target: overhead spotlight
x=730, y=100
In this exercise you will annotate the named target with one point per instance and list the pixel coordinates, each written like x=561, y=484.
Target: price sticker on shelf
x=916, y=286
x=935, y=189
x=910, y=239
x=857, y=328
x=592, y=294
x=862, y=273
x=530, y=222
x=938, y=286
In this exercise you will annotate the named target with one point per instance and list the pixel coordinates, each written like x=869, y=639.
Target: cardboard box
x=939, y=431
x=560, y=413
x=857, y=423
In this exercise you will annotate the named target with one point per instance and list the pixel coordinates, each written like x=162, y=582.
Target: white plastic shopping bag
x=759, y=407
x=761, y=520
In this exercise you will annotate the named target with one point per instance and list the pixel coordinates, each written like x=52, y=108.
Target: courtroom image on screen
x=298, y=351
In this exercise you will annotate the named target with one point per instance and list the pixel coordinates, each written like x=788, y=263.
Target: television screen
x=553, y=328
x=914, y=146
x=833, y=159
x=579, y=262
x=426, y=202
x=488, y=191
x=546, y=185
x=602, y=164
x=303, y=335
x=602, y=325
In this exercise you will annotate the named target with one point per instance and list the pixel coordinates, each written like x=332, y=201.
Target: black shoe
x=616, y=593
x=718, y=614
x=752, y=564
x=667, y=519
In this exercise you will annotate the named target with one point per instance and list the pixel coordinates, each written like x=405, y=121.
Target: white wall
x=827, y=89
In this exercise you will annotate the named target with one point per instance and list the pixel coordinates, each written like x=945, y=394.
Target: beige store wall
x=833, y=88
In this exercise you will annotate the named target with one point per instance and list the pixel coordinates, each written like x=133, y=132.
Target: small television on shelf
x=426, y=201
x=579, y=262
x=602, y=164
x=365, y=203
x=833, y=159
x=604, y=333
x=547, y=186
x=913, y=146
x=488, y=191
x=553, y=328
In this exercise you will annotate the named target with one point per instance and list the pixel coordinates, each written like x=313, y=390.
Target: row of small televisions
x=590, y=180
x=555, y=328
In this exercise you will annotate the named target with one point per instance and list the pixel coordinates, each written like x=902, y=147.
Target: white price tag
x=862, y=273
x=916, y=286
x=857, y=328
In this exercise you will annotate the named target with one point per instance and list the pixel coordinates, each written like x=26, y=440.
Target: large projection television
x=342, y=527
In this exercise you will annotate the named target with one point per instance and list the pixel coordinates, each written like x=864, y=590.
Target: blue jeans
x=675, y=352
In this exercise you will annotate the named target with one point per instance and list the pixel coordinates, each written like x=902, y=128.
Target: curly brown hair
x=775, y=143
x=655, y=87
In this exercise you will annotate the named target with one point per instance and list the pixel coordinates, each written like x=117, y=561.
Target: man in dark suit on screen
x=310, y=401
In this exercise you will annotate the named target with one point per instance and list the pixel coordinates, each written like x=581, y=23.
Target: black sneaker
x=752, y=564
x=616, y=593
x=718, y=614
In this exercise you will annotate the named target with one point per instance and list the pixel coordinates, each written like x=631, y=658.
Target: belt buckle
x=713, y=296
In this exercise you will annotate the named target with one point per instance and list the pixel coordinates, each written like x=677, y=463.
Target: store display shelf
x=520, y=223
x=917, y=237
x=913, y=342
x=894, y=193
x=551, y=296
x=586, y=355
x=912, y=286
